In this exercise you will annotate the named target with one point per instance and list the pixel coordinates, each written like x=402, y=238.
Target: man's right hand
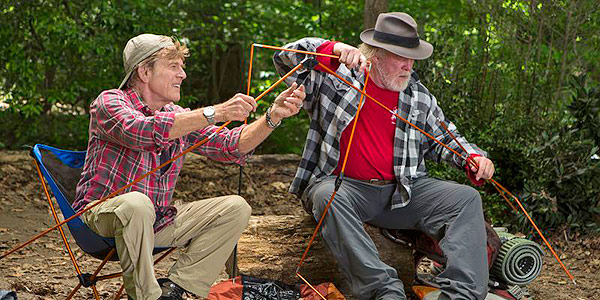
x=235, y=109
x=350, y=56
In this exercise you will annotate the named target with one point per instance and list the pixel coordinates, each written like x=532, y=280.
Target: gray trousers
x=446, y=211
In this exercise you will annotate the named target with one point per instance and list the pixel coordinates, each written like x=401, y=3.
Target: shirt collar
x=139, y=104
x=412, y=81
x=414, y=77
x=137, y=101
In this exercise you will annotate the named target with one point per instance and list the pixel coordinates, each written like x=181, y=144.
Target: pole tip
x=574, y=283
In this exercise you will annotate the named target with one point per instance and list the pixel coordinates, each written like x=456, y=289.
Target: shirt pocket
x=339, y=85
x=417, y=117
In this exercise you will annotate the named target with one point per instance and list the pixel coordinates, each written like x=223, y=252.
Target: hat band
x=407, y=42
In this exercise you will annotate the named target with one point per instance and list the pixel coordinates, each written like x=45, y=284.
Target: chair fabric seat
x=62, y=170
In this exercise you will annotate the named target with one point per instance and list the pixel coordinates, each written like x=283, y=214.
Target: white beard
x=389, y=84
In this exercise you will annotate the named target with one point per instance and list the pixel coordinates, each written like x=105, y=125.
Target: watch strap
x=269, y=120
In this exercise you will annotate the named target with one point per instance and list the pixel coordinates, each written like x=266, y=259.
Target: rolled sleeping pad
x=519, y=260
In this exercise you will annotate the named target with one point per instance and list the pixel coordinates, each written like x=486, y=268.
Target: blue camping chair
x=61, y=170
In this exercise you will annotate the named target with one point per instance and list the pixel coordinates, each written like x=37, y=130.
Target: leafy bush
x=60, y=130
x=564, y=186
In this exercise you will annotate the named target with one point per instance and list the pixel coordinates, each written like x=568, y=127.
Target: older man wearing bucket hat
x=385, y=181
x=137, y=128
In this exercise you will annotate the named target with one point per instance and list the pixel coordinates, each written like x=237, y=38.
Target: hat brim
x=125, y=79
x=423, y=51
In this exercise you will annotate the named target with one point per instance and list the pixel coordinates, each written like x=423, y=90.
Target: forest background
x=518, y=78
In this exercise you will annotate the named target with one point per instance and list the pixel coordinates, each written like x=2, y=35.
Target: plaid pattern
x=127, y=140
x=332, y=105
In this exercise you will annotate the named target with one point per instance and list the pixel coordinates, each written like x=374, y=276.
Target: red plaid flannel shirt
x=126, y=141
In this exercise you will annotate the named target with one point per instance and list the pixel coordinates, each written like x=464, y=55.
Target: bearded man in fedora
x=385, y=182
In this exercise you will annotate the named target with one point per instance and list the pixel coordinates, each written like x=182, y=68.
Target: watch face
x=209, y=111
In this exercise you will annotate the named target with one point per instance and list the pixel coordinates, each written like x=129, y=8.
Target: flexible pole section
x=233, y=273
x=360, y=104
x=336, y=188
x=499, y=187
x=55, y=216
x=469, y=160
x=294, y=50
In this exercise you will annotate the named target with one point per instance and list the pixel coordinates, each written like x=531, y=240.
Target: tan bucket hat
x=139, y=48
x=397, y=32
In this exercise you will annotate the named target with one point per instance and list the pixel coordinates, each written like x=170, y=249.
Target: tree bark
x=231, y=75
x=271, y=247
x=372, y=9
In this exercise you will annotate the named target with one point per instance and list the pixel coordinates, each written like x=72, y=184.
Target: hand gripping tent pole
x=118, y=191
x=469, y=160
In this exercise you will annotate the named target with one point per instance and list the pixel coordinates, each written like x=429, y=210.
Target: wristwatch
x=209, y=114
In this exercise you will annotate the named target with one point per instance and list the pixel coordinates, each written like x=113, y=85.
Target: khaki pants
x=208, y=229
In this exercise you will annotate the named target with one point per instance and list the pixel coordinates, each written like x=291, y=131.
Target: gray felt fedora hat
x=139, y=48
x=397, y=32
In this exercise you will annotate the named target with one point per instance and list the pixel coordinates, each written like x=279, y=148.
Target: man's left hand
x=486, y=168
x=350, y=56
x=288, y=103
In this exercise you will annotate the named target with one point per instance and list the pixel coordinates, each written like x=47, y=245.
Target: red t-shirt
x=372, y=151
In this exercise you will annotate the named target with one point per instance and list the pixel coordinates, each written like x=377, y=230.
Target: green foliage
x=289, y=138
x=54, y=129
x=564, y=186
x=501, y=71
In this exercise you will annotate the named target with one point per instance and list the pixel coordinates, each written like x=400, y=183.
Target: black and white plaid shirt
x=332, y=105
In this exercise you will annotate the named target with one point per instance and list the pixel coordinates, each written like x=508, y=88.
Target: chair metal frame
x=99, y=247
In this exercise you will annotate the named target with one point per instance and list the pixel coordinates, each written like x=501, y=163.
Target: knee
x=238, y=207
x=319, y=198
x=471, y=197
x=139, y=205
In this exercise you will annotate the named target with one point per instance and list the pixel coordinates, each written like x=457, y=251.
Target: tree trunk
x=231, y=75
x=565, y=47
x=372, y=9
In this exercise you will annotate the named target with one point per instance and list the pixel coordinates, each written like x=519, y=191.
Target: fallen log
x=271, y=247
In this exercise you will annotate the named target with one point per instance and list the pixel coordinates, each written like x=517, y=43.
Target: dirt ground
x=43, y=270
